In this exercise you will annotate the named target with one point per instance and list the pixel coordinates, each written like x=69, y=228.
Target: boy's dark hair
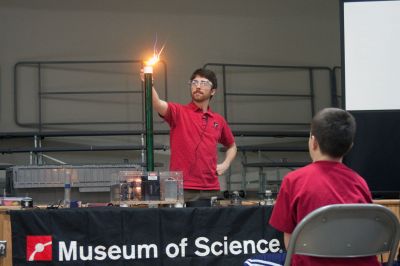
x=206, y=73
x=334, y=130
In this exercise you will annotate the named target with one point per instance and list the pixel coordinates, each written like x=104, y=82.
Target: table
x=112, y=227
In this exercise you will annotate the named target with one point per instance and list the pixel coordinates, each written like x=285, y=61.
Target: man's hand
x=142, y=75
x=159, y=105
x=221, y=168
x=229, y=157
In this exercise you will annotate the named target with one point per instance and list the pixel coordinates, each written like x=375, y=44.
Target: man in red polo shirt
x=195, y=132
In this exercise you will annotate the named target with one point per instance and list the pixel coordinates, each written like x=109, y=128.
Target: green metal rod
x=148, y=85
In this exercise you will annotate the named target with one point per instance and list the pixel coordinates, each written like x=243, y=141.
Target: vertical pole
x=148, y=86
x=143, y=151
x=311, y=78
x=35, y=155
x=224, y=90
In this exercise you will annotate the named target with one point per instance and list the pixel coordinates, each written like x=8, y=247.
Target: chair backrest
x=346, y=230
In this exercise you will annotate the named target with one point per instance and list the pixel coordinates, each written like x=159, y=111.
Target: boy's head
x=333, y=129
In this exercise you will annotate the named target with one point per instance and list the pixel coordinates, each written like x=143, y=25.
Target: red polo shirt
x=193, y=138
x=318, y=184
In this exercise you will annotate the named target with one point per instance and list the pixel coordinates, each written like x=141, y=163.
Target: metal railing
x=308, y=70
x=43, y=73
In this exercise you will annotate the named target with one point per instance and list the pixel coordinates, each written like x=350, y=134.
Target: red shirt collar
x=195, y=108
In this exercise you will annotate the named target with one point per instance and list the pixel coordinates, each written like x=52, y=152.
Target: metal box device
x=43, y=176
x=141, y=187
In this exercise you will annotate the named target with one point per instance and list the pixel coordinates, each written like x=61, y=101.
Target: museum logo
x=39, y=248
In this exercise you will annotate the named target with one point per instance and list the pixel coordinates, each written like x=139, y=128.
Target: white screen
x=372, y=55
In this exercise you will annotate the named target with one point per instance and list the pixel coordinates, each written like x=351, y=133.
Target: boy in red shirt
x=325, y=181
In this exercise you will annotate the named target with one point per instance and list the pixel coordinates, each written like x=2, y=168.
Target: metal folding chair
x=346, y=231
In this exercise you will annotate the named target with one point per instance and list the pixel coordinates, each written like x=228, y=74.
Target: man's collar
x=195, y=108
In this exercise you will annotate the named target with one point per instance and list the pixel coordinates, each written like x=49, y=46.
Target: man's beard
x=200, y=97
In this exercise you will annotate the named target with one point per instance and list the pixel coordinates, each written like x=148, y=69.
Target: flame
x=152, y=61
x=156, y=55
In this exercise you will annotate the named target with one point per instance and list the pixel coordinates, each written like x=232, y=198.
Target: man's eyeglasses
x=200, y=83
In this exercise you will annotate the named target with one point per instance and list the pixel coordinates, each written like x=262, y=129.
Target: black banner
x=125, y=236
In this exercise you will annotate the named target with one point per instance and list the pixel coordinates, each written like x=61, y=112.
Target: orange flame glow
x=156, y=55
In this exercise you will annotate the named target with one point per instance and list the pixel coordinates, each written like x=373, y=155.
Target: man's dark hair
x=206, y=73
x=334, y=130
